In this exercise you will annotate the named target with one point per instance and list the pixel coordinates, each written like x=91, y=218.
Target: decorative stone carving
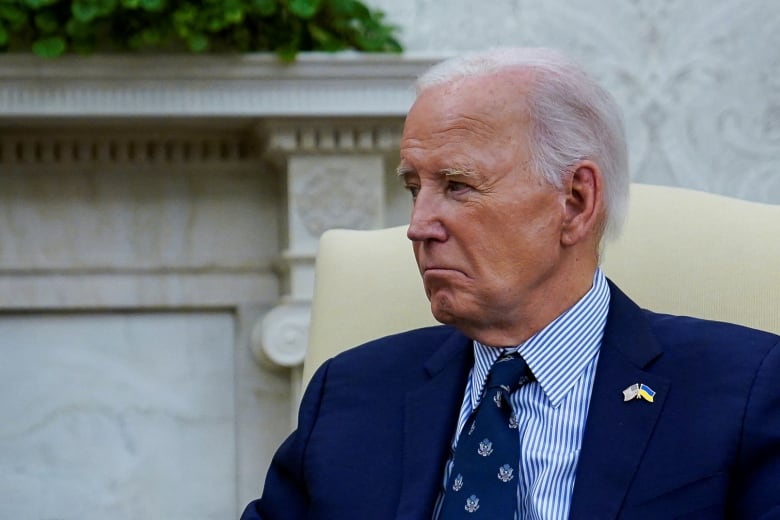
x=330, y=196
x=302, y=136
x=335, y=178
x=333, y=170
x=53, y=146
x=282, y=335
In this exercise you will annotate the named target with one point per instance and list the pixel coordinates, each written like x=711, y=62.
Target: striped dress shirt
x=551, y=411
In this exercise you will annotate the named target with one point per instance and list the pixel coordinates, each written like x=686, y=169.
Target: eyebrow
x=453, y=172
x=402, y=171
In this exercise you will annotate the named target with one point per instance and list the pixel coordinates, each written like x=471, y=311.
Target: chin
x=442, y=310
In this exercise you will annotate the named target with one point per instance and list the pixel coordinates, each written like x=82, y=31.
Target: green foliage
x=286, y=27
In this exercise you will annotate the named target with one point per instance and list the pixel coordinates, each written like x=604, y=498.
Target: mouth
x=440, y=271
x=435, y=268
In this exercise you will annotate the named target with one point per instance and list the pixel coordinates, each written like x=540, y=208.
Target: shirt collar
x=558, y=354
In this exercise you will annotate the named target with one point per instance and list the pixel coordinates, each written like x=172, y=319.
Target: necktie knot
x=509, y=372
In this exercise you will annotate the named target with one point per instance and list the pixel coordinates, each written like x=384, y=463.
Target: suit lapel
x=617, y=432
x=431, y=416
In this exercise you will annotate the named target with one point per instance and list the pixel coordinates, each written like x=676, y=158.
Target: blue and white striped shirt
x=552, y=410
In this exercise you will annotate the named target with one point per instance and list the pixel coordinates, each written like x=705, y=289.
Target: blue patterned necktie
x=483, y=481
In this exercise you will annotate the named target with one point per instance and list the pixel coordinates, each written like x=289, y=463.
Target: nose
x=426, y=222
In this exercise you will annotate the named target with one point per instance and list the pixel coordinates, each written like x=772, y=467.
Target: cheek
x=537, y=227
x=416, y=251
x=518, y=249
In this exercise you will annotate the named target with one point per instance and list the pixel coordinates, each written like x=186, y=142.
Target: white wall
x=698, y=80
x=117, y=416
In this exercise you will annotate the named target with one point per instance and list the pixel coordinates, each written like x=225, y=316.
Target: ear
x=584, y=219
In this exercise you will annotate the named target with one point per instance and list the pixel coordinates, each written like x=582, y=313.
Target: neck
x=542, y=307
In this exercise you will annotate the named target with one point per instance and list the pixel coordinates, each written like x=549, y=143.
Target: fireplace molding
x=236, y=86
x=329, y=121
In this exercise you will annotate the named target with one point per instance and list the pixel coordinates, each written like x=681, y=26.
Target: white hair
x=572, y=117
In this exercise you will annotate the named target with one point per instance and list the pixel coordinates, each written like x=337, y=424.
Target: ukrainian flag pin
x=646, y=393
x=638, y=391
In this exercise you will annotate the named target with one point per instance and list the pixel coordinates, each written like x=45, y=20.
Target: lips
x=434, y=267
x=440, y=270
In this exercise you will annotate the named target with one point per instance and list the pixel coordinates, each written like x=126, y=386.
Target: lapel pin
x=638, y=391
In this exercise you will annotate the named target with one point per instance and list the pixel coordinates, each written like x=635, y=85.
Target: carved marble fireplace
x=159, y=218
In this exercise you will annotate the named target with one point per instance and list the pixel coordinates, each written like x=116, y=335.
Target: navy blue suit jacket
x=376, y=423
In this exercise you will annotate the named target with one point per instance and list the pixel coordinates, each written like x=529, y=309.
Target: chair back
x=681, y=252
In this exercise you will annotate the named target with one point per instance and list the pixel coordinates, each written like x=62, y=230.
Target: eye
x=457, y=187
x=412, y=189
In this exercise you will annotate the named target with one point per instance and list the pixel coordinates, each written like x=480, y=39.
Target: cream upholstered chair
x=681, y=252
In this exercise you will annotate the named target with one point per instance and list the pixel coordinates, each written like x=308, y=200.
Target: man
x=516, y=162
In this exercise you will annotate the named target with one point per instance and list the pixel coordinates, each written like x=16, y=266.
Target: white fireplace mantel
x=332, y=119
x=254, y=85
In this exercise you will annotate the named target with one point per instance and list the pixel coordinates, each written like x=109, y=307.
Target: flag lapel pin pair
x=638, y=391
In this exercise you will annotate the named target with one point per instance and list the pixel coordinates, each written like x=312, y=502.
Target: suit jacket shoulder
x=696, y=447
x=373, y=433
x=399, y=356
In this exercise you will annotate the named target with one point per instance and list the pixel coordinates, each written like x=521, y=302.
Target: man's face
x=485, y=229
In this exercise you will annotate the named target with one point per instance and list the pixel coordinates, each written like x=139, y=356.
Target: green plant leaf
x=37, y=4
x=304, y=9
x=47, y=22
x=198, y=42
x=362, y=12
x=49, y=47
x=264, y=7
x=13, y=15
x=393, y=45
x=106, y=6
x=83, y=47
x=84, y=10
x=234, y=15
x=143, y=39
x=342, y=7
x=287, y=27
x=185, y=15
x=77, y=29
x=287, y=53
x=150, y=37
x=325, y=40
x=152, y=5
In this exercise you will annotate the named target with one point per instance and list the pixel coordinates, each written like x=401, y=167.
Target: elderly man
x=547, y=393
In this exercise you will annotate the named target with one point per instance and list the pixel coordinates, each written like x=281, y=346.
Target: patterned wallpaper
x=698, y=80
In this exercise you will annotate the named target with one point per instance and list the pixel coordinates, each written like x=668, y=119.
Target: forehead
x=492, y=100
x=484, y=115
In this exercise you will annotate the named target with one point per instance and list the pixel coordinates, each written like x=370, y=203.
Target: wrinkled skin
x=501, y=251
